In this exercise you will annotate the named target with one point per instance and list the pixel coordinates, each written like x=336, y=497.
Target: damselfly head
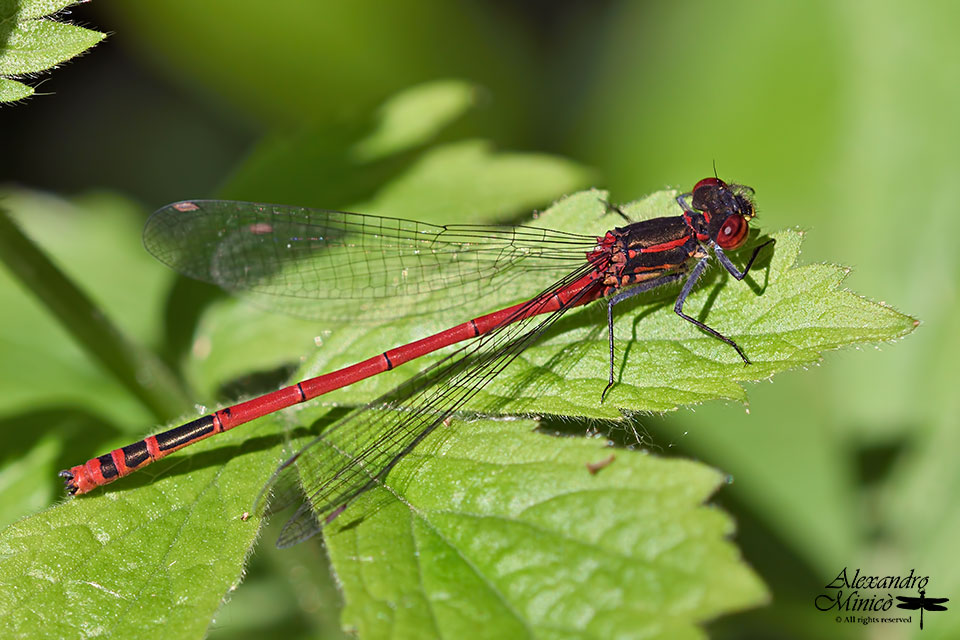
x=714, y=197
x=728, y=209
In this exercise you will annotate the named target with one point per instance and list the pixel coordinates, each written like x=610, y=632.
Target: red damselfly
x=326, y=263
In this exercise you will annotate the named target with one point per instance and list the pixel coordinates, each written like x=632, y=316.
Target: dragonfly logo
x=923, y=603
x=862, y=598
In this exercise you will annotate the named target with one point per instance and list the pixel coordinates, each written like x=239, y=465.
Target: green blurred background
x=843, y=116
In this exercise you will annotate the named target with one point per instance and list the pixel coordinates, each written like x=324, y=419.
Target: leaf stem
x=133, y=365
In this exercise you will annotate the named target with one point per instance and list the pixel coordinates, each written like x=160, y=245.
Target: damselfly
x=326, y=263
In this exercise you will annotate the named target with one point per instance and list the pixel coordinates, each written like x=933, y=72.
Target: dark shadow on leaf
x=185, y=304
x=711, y=298
x=257, y=382
x=190, y=461
x=628, y=433
x=656, y=301
x=82, y=433
x=762, y=263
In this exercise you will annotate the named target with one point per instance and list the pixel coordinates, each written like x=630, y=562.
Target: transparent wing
x=337, y=265
x=355, y=453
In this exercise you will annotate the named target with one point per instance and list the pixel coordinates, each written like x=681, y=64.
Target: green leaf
x=11, y=91
x=26, y=467
x=134, y=366
x=41, y=8
x=158, y=557
x=53, y=351
x=31, y=44
x=379, y=165
x=413, y=117
x=37, y=45
x=70, y=374
x=469, y=181
x=354, y=154
x=505, y=533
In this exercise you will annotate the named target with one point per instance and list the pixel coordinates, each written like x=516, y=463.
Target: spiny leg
x=687, y=288
x=729, y=266
x=610, y=206
x=620, y=297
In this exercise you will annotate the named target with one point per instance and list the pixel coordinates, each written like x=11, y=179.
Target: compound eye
x=733, y=232
x=710, y=183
